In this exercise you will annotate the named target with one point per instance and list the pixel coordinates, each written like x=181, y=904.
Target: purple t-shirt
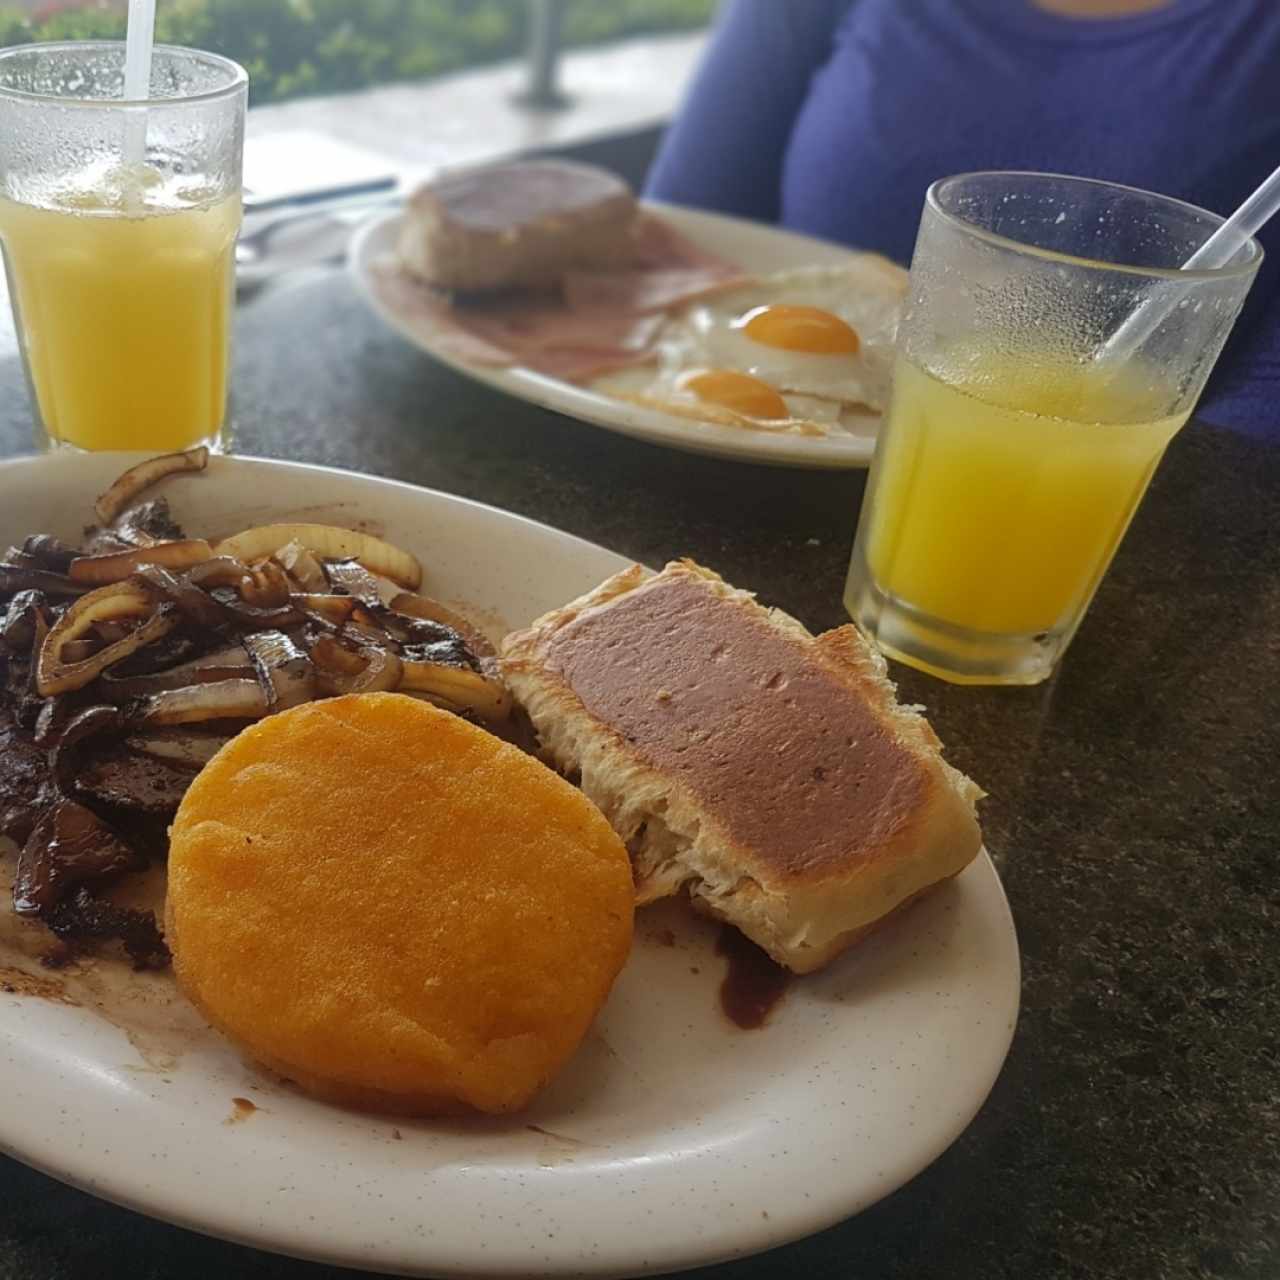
x=834, y=116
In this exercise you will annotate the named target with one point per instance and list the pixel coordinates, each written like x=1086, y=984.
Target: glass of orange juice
x=118, y=222
x=1017, y=445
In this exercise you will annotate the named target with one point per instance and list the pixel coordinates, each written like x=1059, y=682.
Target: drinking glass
x=119, y=247
x=1017, y=445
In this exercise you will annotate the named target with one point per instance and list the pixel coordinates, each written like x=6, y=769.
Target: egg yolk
x=739, y=392
x=799, y=329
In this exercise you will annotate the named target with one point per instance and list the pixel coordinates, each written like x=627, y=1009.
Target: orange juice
x=124, y=301
x=1000, y=494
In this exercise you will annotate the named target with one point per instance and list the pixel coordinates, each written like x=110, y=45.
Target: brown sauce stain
x=754, y=984
x=17, y=982
x=147, y=1008
x=241, y=1110
x=667, y=922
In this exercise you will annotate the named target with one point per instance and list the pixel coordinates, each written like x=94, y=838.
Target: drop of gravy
x=241, y=1110
x=754, y=984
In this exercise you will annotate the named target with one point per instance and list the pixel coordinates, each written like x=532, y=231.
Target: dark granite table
x=1134, y=814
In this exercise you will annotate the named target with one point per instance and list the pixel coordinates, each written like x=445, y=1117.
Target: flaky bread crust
x=803, y=917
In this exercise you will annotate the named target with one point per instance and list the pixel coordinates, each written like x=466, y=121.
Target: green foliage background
x=295, y=47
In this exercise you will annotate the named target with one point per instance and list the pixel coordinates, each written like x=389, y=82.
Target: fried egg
x=807, y=350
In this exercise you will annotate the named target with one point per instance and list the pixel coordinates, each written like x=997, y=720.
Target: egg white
x=705, y=336
x=823, y=392
x=806, y=415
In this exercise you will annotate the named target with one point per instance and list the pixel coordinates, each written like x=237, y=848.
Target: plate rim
x=120, y=1185
x=639, y=422
x=55, y=457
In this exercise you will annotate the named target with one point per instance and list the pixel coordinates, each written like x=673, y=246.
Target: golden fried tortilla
x=393, y=908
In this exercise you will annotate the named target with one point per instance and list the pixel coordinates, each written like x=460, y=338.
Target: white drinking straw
x=1217, y=251
x=140, y=39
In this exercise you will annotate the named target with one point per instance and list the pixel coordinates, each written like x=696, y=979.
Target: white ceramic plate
x=758, y=248
x=673, y=1139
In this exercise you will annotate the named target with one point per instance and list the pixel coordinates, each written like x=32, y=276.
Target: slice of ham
x=645, y=291
x=669, y=270
x=604, y=320
x=547, y=337
x=660, y=246
x=571, y=364
x=430, y=318
x=531, y=326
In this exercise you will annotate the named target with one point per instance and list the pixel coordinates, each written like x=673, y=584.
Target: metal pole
x=545, y=21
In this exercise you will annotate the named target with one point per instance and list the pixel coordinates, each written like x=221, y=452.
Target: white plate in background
x=758, y=248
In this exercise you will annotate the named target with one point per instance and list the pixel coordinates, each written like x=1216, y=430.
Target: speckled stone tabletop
x=1134, y=814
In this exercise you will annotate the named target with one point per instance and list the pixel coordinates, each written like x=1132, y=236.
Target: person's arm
x=725, y=149
x=1244, y=392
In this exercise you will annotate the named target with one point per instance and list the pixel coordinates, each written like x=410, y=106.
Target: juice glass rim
x=933, y=199
x=237, y=76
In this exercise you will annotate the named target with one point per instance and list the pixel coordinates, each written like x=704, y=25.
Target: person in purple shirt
x=832, y=117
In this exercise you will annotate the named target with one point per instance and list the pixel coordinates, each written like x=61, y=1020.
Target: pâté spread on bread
x=768, y=774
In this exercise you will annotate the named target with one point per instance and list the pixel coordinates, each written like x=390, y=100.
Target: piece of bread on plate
x=519, y=224
x=770, y=774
